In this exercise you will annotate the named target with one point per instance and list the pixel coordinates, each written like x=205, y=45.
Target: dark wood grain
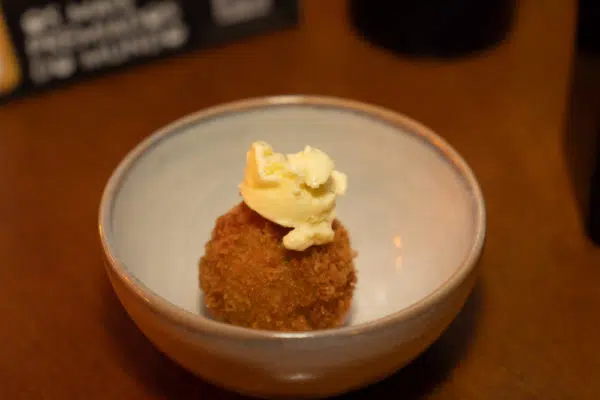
x=530, y=330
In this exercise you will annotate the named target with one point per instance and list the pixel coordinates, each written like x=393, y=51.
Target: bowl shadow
x=424, y=374
x=159, y=375
x=163, y=378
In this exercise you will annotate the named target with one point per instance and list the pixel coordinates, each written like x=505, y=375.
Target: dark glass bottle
x=436, y=28
x=582, y=139
x=588, y=26
x=594, y=214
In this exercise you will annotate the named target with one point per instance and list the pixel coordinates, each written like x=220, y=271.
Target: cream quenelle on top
x=295, y=190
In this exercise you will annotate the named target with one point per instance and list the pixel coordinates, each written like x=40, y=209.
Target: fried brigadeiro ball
x=249, y=279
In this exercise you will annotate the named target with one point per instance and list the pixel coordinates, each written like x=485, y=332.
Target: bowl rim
x=200, y=324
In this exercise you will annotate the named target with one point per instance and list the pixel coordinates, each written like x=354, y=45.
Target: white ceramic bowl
x=414, y=211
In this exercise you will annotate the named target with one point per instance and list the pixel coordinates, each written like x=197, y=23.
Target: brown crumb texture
x=250, y=279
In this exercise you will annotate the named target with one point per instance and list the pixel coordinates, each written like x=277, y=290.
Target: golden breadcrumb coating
x=250, y=279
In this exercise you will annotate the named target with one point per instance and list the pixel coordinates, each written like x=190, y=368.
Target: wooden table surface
x=529, y=331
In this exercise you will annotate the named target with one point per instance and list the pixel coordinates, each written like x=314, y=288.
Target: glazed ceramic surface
x=413, y=208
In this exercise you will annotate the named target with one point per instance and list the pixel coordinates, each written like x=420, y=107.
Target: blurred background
x=463, y=58
x=514, y=86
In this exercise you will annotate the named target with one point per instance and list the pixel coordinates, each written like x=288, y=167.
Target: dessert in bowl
x=281, y=260
x=412, y=211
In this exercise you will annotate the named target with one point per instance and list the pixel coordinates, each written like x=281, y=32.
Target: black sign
x=46, y=43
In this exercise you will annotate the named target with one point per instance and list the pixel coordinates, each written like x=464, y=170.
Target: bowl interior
x=411, y=214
